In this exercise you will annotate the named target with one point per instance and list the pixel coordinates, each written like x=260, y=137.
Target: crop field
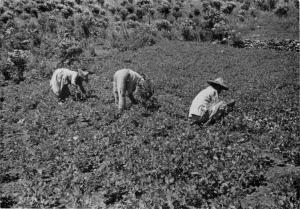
x=84, y=153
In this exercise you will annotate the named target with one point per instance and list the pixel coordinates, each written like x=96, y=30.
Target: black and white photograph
x=150, y=104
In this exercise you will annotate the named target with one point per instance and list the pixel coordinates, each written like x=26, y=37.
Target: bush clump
x=134, y=38
x=188, y=31
x=176, y=12
x=216, y=4
x=281, y=11
x=164, y=9
x=130, y=8
x=123, y=13
x=132, y=17
x=266, y=5
x=163, y=25
x=8, y=15
x=228, y=8
x=69, y=49
x=196, y=12
x=16, y=65
x=296, y=3
x=246, y=5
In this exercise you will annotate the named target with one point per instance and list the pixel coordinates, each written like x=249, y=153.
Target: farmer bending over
x=62, y=77
x=206, y=106
x=128, y=82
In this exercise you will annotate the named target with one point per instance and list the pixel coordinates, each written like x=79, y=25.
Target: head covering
x=218, y=83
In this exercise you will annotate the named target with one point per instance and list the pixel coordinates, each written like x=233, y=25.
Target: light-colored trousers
x=213, y=113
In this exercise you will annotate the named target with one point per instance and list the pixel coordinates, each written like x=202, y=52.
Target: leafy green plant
x=70, y=49
x=282, y=11
x=163, y=25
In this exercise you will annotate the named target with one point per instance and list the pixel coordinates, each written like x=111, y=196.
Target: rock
x=284, y=45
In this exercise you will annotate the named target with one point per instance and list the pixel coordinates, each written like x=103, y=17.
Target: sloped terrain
x=84, y=154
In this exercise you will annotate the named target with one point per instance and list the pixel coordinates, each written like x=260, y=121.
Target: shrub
x=272, y=4
x=145, y=89
x=266, y=5
x=164, y=9
x=140, y=13
x=132, y=23
x=67, y=12
x=25, y=16
x=228, y=8
x=132, y=17
x=151, y=11
x=124, y=3
x=220, y=31
x=242, y=12
x=253, y=12
x=261, y=4
x=69, y=3
x=163, y=25
x=177, y=14
x=123, y=13
x=28, y=7
x=188, y=33
x=36, y=38
x=85, y=24
x=282, y=11
x=20, y=39
x=236, y=40
x=8, y=15
x=145, y=7
x=112, y=10
x=133, y=39
x=130, y=8
x=2, y=10
x=296, y=3
x=212, y=17
x=69, y=49
x=196, y=12
x=42, y=22
x=205, y=6
x=118, y=9
x=96, y=10
x=101, y=2
x=18, y=9
x=216, y=4
x=15, y=66
x=44, y=7
x=34, y=12
x=10, y=72
x=246, y=5
x=117, y=18
x=241, y=18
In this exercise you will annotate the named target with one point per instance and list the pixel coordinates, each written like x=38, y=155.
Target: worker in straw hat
x=206, y=107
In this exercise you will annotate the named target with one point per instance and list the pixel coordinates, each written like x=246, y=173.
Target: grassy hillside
x=83, y=154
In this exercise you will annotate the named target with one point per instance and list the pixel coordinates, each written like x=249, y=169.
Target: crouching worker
x=62, y=77
x=130, y=83
x=206, y=108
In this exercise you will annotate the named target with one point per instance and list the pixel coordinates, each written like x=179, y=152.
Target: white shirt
x=61, y=77
x=202, y=102
x=127, y=79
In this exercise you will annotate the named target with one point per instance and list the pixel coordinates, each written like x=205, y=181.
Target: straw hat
x=218, y=83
